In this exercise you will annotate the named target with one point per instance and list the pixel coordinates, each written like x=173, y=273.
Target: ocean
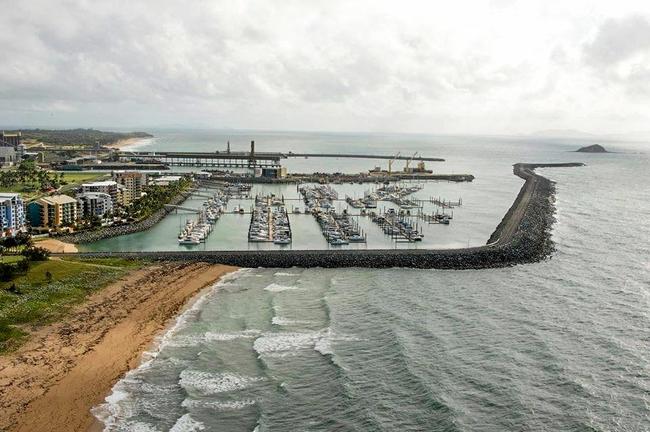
x=560, y=345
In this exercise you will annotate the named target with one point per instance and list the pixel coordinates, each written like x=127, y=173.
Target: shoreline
x=124, y=143
x=70, y=366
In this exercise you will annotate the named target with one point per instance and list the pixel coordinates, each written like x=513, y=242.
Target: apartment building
x=12, y=214
x=91, y=204
x=133, y=184
x=52, y=211
x=109, y=187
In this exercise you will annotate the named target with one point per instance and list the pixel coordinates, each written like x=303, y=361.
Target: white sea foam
x=218, y=405
x=285, y=274
x=281, y=344
x=157, y=389
x=279, y=288
x=118, y=407
x=324, y=346
x=282, y=321
x=284, y=343
x=245, y=334
x=208, y=383
x=139, y=427
x=197, y=339
x=187, y=424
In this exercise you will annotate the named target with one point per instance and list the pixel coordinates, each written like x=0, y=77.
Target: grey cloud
x=617, y=40
x=300, y=62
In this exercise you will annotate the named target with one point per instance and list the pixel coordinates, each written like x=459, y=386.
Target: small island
x=595, y=148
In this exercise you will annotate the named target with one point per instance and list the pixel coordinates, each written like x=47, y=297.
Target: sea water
x=560, y=345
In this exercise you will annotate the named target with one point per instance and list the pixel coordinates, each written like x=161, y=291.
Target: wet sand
x=68, y=367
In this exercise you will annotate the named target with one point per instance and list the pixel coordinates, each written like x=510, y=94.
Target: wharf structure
x=250, y=159
x=523, y=236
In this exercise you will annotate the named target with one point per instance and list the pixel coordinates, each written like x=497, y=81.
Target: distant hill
x=83, y=137
x=595, y=148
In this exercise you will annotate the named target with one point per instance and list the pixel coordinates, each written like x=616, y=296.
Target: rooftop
x=100, y=183
x=58, y=199
x=93, y=195
x=5, y=195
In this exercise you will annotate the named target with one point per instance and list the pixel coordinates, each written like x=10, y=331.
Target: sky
x=449, y=67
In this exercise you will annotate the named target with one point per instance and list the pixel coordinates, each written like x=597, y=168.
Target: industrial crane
x=408, y=162
x=390, y=163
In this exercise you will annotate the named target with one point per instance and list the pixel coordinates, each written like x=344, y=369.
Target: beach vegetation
x=78, y=137
x=48, y=290
x=155, y=198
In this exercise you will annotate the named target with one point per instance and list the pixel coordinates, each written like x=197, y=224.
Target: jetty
x=523, y=236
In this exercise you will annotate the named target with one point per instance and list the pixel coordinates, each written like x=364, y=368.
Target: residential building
x=52, y=211
x=94, y=204
x=12, y=214
x=133, y=183
x=108, y=187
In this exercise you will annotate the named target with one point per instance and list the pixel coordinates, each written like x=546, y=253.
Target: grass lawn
x=31, y=190
x=9, y=259
x=39, y=298
x=82, y=176
x=74, y=179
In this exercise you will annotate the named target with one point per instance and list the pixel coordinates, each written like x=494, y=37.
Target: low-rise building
x=133, y=182
x=12, y=214
x=91, y=204
x=165, y=180
x=10, y=139
x=108, y=187
x=8, y=156
x=52, y=211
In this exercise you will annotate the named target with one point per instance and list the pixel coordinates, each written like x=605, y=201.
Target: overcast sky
x=492, y=66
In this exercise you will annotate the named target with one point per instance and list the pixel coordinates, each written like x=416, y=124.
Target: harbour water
x=560, y=345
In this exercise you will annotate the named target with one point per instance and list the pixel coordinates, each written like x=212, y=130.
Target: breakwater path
x=523, y=236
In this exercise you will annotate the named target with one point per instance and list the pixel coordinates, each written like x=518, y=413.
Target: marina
x=398, y=226
x=269, y=221
x=196, y=231
x=306, y=216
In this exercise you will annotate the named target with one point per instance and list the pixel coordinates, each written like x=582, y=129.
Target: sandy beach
x=57, y=246
x=125, y=143
x=66, y=368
